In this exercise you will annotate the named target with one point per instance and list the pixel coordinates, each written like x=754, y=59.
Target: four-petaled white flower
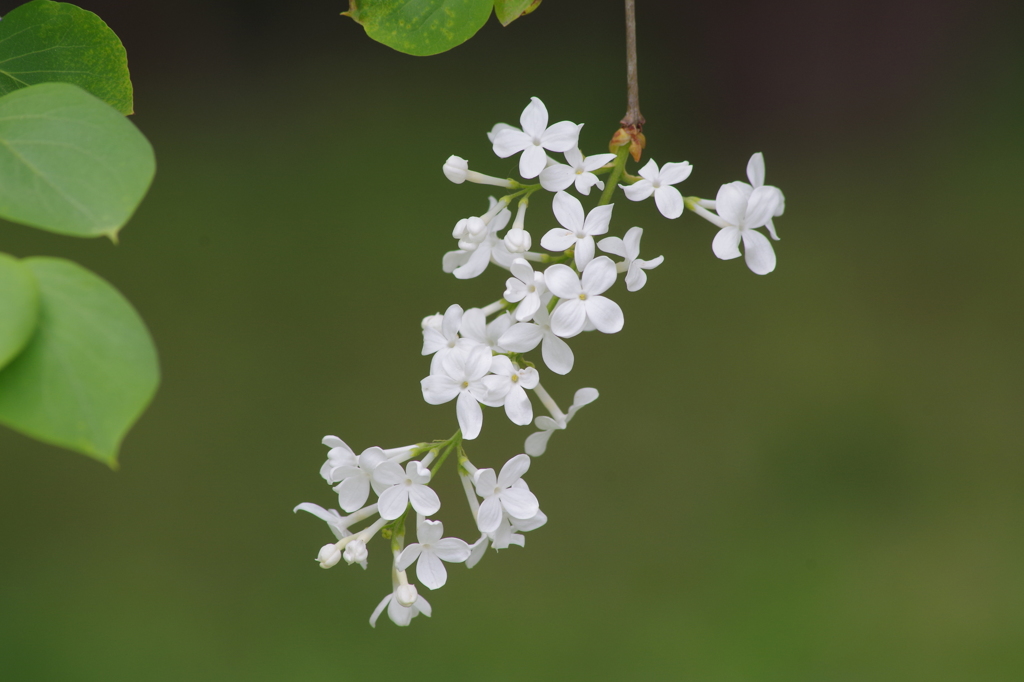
x=501, y=494
x=581, y=299
x=534, y=138
x=507, y=386
x=525, y=287
x=743, y=209
x=581, y=171
x=442, y=341
x=430, y=551
x=356, y=477
x=461, y=376
x=578, y=231
x=399, y=615
x=477, y=330
x=402, y=488
x=537, y=443
x=659, y=183
x=633, y=266
x=525, y=336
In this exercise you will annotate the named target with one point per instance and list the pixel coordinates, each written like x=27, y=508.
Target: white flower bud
x=329, y=556
x=355, y=553
x=518, y=241
x=461, y=229
x=455, y=169
x=406, y=594
x=476, y=226
x=432, y=321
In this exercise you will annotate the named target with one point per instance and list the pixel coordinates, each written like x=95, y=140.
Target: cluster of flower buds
x=479, y=355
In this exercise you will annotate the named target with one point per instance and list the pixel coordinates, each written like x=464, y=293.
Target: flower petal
x=537, y=443
x=430, y=571
x=352, y=493
x=488, y=518
x=731, y=202
x=471, y=417
x=424, y=500
x=513, y=470
x=558, y=239
x=595, y=161
x=439, y=389
x=562, y=281
x=599, y=276
x=510, y=141
x=758, y=252
x=408, y=556
x=557, y=355
x=598, y=219
x=521, y=337
x=520, y=503
x=612, y=245
x=669, y=201
x=393, y=502
x=639, y=190
x=452, y=550
x=532, y=162
x=649, y=171
x=727, y=243
x=568, y=211
x=534, y=118
x=518, y=406
x=556, y=178
x=389, y=473
x=475, y=264
x=584, y=252
x=561, y=137
x=674, y=173
x=569, y=317
x=428, y=532
x=380, y=609
x=605, y=314
x=755, y=169
x=636, y=278
x=761, y=206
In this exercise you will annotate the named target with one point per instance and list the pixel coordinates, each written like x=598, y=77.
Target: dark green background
x=814, y=476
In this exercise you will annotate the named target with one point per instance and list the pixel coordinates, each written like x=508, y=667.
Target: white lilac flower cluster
x=478, y=356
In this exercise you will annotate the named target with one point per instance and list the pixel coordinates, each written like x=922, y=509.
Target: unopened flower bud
x=329, y=556
x=475, y=226
x=461, y=229
x=455, y=169
x=406, y=594
x=432, y=321
x=355, y=553
x=518, y=241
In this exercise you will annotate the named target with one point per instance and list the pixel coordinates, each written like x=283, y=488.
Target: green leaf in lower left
x=89, y=371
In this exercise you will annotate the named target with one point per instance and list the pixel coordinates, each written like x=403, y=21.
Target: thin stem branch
x=633, y=118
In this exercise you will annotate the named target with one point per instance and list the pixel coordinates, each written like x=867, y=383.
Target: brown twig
x=633, y=118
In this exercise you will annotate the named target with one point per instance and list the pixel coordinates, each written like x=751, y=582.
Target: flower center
x=515, y=378
x=532, y=289
x=497, y=490
x=583, y=297
x=451, y=344
x=408, y=482
x=465, y=384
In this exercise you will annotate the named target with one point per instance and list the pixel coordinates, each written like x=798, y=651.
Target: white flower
x=534, y=138
x=629, y=248
x=500, y=493
x=400, y=488
x=400, y=615
x=430, y=551
x=434, y=321
x=537, y=443
x=461, y=376
x=580, y=170
x=329, y=556
x=525, y=287
x=582, y=301
x=524, y=337
x=444, y=340
x=659, y=183
x=473, y=256
x=508, y=384
x=509, y=533
x=476, y=330
x=755, y=173
x=743, y=209
x=339, y=455
x=578, y=232
x=356, y=478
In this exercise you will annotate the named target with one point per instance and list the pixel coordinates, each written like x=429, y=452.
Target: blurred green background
x=810, y=476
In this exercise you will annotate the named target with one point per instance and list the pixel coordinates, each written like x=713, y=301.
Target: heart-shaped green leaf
x=69, y=163
x=421, y=27
x=88, y=372
x=44, y=42
x=19, y=307
x=508, y=11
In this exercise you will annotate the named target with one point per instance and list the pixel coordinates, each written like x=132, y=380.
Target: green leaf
x=69, y=163
x=89, y=371
x=420, y=27
x=19, y=307
x=44, y=42
x=508, y=11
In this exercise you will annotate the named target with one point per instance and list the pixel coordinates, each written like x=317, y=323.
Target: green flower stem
x=613, y=180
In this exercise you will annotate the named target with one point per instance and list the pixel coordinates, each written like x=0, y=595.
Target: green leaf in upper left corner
x=45, y=42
